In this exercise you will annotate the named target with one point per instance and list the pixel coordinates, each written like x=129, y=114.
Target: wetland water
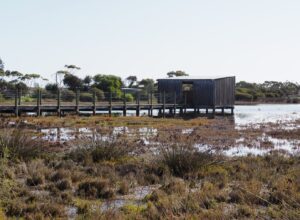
x=265, y=113
x=250, y=124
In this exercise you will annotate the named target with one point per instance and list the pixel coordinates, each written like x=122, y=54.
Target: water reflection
x=246, y=117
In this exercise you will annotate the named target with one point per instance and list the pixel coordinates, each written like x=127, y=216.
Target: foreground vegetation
x=88, y=181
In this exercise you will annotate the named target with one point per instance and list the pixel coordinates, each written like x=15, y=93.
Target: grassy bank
x=75, y=121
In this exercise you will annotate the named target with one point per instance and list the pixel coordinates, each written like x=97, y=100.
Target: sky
x=255, y=40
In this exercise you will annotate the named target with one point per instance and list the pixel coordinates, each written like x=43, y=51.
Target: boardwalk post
x=232, y=109
x=185, y=102
x=213, y=112
x=19, y=96
x=38, y=102
x=110, y=104
x=94, y=102
x=223, y=111
x=151, y=104
x=164, y=104
x=206, y=111
x=148, y=97
x=124, y=104
x=77, y=101
x=58, y=103
x=160, y=101
x=174, y=113
x=16, y=102
x=138, y=104
x=40, y=97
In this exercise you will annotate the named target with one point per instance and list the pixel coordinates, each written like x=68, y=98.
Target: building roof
x=195, y=77
x=131, y=89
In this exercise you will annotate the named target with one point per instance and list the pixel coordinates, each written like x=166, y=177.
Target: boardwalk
x=163, y=104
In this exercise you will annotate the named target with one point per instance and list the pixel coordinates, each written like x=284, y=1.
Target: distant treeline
x=268, y=91
x=103, y=84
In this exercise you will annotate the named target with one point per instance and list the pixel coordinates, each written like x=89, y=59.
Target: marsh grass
x=97, y=150
x=183, y=159
x=18, y=144
x=189, y=184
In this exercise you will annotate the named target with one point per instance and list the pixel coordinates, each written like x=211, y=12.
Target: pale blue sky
x=255, y=40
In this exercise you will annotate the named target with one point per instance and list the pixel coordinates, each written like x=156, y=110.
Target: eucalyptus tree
x=1, y=65
x=2, y=73
x=72, y=68
x=177, y=73
x=131, y=80
x=59, y=75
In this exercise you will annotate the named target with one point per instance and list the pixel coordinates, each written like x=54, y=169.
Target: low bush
x=99, y=188
x=183, y=160
x=67, y=95
x=240, y=96
x=123, y=188
x=59, y=175
x=99, y=150
x=36, y=179
x=18, y=145
x=99, y=93
x=86, y=97
x=64, y=184
x=129, y=97
x=108, y=151
x=27, y=99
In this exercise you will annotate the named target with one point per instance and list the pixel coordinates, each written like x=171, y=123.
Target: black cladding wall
x=219, y=92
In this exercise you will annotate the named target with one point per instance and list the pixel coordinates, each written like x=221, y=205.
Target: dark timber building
x=201, y=92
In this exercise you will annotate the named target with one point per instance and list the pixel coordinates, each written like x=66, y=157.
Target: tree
x=1, y=67
x=51, y=87
x=131, y=80
x=74, y=67
x=177, y=73
x=30, y=78
x=108, y=83
x=147, y=84
x=87, y=80
x=72, y=82
x=59, y=77
x=98, y=92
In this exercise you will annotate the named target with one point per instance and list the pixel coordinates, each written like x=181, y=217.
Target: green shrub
x=129, y=97
x=240, y=96
x=86, y=97
x=99, y=93
x=27, y=99
x=67, y=95
x=2, y=99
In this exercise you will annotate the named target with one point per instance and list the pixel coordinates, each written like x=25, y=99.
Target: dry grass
x=189, y=184
x=18, y=144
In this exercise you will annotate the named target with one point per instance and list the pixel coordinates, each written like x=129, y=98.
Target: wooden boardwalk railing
x=38, y=102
